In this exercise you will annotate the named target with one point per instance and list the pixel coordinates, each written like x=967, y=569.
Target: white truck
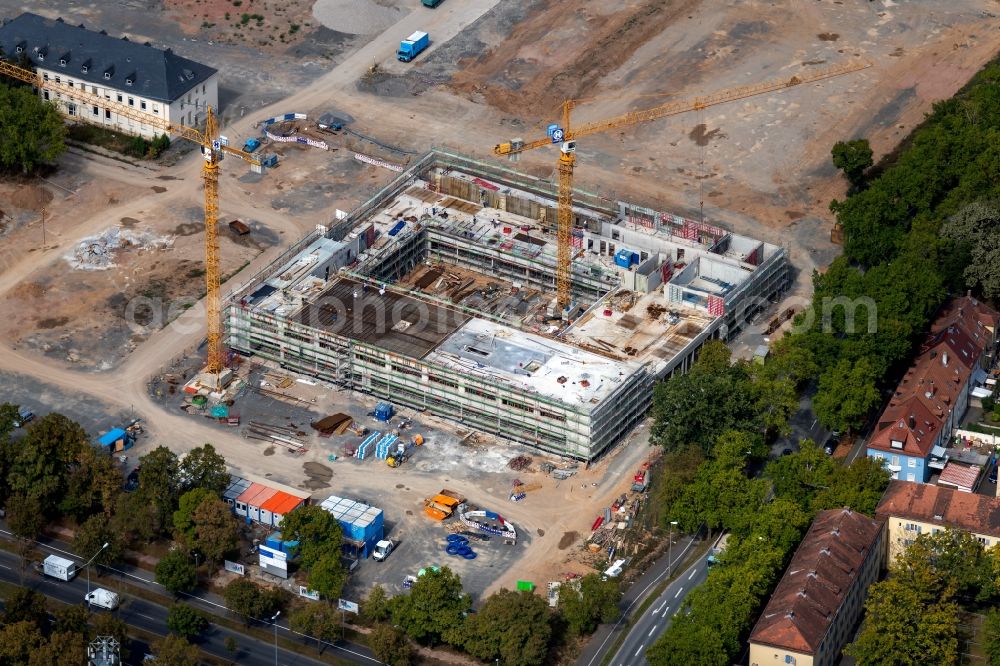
x=102, y=599
x=59, y=567
x=382, y=549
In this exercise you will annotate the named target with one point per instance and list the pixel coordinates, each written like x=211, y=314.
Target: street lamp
x=274, y=620
x=87, y=567
x=670, y=542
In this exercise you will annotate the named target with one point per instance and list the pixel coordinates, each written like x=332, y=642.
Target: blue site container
x=397, y=228
x=626, y=258
x=275, y=541
x=383, y=411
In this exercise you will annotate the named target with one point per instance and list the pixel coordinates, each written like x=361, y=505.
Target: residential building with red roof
x=819, y=599
x=912, y=509
x=933, y=396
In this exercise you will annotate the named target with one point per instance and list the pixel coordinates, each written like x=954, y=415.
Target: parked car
x=382, y=549
x=830, y=446
x=787, y=452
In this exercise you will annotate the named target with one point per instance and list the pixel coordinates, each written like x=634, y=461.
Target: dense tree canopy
x=434, y=609
x=595, y=601
x=33, y=131
x=510, y=626
x=975, y=231
x=853, y=158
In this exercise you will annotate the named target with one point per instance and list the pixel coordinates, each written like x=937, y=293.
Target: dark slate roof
x=155, y=74
x=825, y=566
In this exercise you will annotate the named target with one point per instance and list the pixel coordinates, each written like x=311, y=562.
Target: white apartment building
x=154, y=82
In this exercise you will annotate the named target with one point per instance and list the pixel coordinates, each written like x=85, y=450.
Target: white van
x=102, y=599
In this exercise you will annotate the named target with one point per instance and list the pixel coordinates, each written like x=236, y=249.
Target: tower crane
x=566, y=135
x=211, y=148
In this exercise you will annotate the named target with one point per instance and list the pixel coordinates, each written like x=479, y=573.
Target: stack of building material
x=335, y=424
x=366, y=445
x=384, y=444
x=281, y=435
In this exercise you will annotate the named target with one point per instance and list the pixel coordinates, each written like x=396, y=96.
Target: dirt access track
x=496, y=70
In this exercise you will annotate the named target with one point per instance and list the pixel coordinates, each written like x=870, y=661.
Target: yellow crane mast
x=212, y=150
x=566, y=135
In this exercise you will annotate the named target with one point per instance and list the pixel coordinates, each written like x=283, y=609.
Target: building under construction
x=439, y=293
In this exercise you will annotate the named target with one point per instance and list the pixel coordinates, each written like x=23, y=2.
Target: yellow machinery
x=566, y=135
x=212, y=150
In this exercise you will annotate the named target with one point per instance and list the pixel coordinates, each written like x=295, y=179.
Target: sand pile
x=97, y=253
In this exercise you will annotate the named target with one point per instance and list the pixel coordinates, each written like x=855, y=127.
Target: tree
x=173, y=650
x=91, y=537
x=25, y=516
x=687, y=645
x=858, y=486
x=975, y=230
x=202, y=467
x=847, y=393
x=33, y=134
x=375, y=607
x=513, y=627
x=72, y=619
x=434, y=609
x=250, y=601
x=61, y=649
x=853, y=158
x=43, y=461
x=317, y=532
x=991, y=636
x=328, y=576
x=904, y=629
x=135, y=518
x=216, y=533
x=93, y=485
x=594, y=602
x=175, y=572
x=159, y=481
x=183, y=518
x=24, y=605
x=390, y=645
x=185, y=621
x=318, y=620
x=18, y=641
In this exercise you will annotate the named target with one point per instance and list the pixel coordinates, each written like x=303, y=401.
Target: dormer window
x=41, y=56
x=128, y=82
x=84, y=69
x=19, y=49
x=107, y=75
x=62, y=62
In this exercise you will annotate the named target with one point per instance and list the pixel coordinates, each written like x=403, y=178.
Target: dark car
x=132, y=481
x=830, y=446
x=787, y=452
x=993, y=475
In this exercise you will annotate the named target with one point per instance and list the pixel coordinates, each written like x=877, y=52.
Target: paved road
x=151, y=617
x=648, y=628
x=603, y=638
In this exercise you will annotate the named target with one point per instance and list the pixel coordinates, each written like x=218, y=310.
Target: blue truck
x=410, y=47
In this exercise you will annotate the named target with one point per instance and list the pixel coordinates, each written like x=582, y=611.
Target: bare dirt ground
x=497, y=70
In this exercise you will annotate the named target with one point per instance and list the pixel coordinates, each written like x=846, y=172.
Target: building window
x=203, y=89
x=62, y=63
x=131, y=102
x=70, y=84
x=71, y=108
x=41, y=56
x=58, y=79
x=45, y=76
x=911, y=462
x=156, y=108
x=93, y=90
x=96, y=112
x=19, y=49
x=142, y=104
x=912, y=527
x=909, y=477
x=45, y=94
x=84, y=69
x=119, y=97
x=983, y=540
x=895, y=461
x=107, y=75
x=107, y=114
x=128, y=82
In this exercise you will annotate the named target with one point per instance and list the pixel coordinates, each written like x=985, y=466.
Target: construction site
x=438, y=293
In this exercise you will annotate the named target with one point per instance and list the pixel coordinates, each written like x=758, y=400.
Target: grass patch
x=125, y=144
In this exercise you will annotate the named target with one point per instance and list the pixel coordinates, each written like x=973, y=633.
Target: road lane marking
x=6, y=567
x=651, y=631
x=678, y=593
x=665, y=612
x=692, y=574
x=639, y=650
x=657, y=611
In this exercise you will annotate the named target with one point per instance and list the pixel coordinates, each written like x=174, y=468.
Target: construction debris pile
x=519, y=463
x=97, y=253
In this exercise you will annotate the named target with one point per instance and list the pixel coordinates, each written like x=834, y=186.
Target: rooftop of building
x=550, y=368
x=941, y=506
x=929, y=390
x=826, y=564
x=98, y=58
